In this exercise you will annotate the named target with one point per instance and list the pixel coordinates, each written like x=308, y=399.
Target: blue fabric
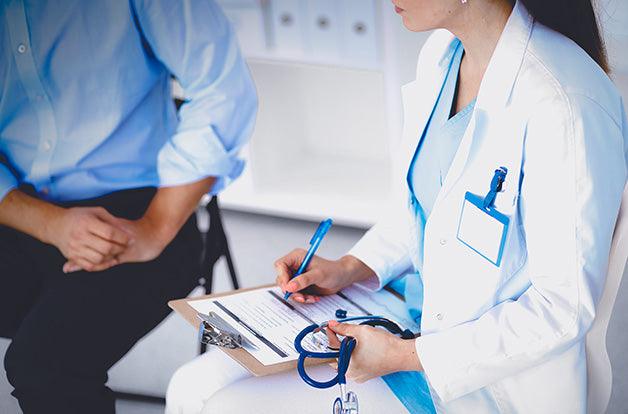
x=428, y=169
x=85, y=102
x=412, y=390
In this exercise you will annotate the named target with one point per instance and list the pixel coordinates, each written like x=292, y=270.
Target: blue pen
x=321, y=231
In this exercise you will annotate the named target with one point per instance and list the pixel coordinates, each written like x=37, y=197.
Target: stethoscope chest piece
x=348, y=406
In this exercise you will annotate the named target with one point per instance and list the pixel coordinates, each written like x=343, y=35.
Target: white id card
x=483, y=230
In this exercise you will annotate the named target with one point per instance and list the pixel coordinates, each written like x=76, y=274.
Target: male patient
x=99, y=179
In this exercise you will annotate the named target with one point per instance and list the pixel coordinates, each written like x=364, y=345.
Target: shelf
x=353, y=193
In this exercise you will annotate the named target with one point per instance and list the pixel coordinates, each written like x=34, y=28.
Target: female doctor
x=504, y=278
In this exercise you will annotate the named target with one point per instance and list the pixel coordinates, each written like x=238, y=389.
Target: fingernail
x=333, y=323
x=292, y=286
x=309, y=300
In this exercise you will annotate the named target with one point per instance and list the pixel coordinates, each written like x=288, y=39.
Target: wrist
x=406, y=356
x=161, y=229
x=51, y=224
x=355, y=270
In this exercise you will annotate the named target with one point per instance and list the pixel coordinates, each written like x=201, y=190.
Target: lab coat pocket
x=483, y=229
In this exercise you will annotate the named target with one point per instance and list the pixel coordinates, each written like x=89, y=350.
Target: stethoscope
x=347, y=402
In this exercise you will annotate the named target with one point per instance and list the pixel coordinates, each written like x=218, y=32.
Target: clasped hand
x=92, y=239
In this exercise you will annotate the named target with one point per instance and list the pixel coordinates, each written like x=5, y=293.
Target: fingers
x=301, y=282
x=334, y=342
x=288, y=264
x=104, y=247
x=344, y=329
x=80, y=263
x=283, y=274
x=105, y=228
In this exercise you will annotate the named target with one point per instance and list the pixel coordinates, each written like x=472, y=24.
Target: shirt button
x=21, y=48
x=443, y=242
x=439, y=316
x=47, y=146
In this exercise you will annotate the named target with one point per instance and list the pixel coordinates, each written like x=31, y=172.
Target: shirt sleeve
x=8, y=181
x=574, y=173
x=196, y=43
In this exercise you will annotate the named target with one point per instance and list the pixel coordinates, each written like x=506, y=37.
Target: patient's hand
x=377, y=353
x=148, y=241
x=89, y=237
x=322, y=277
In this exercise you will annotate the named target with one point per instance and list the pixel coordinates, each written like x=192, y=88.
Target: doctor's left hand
x=377, y=352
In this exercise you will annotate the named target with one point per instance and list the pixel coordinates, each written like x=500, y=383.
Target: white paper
x=278, y=322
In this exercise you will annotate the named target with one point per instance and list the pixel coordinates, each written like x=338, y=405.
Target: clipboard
x=244, y=358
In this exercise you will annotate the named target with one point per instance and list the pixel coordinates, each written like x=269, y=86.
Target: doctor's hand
x=377, y=352
x=322, y=276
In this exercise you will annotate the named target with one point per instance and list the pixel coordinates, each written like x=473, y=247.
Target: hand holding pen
x=320, y=276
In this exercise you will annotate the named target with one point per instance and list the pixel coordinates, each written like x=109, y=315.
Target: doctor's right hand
x=322, y=277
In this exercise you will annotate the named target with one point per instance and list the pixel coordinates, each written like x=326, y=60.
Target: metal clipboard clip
x=214, y=330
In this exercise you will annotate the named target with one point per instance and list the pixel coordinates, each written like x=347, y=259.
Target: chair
x=599, y=370
x=216, y=245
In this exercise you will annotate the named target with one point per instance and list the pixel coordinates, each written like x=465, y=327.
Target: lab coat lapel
x=494, y=94
x=419, y=98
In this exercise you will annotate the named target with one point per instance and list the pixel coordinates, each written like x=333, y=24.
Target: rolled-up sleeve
x=8, y=181
x=194, y=40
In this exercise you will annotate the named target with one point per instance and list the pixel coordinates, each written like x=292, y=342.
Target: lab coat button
x=21, y=48
x=439, y=316
x=47, y=146
x=443, y=242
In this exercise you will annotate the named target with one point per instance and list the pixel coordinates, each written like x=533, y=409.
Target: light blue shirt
x=85, y=96
x=428, y=169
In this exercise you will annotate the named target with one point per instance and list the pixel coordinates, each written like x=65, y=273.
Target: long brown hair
x=575, y=19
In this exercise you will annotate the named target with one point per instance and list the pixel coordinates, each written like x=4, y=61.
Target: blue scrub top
x=428, y=169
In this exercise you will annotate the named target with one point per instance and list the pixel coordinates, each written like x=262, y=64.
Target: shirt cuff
x=446, y=364
x=190, y=156
x=8, y=182
x=385, y=269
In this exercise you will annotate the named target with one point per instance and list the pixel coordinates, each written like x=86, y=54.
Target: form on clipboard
x=271, y=323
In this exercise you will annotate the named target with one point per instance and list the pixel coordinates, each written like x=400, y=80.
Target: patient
x=99, y=178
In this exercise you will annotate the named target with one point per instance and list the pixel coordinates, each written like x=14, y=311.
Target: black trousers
x=69, y=329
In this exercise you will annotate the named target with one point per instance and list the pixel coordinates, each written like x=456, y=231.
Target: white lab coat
x=511, y=338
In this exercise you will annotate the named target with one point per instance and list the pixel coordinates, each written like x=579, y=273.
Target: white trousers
x=214, y=383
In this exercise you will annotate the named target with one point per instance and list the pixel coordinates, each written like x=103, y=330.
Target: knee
x=196, y=381
x=183, y=395
x=19, y=364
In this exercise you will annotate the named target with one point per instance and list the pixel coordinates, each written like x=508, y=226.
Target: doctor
x=513, y=162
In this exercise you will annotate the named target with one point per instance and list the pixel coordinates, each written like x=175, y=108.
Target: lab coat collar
x=503, y=69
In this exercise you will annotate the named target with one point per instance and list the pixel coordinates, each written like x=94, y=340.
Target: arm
x=83, y=235
x=166, y=214
x=196, y=43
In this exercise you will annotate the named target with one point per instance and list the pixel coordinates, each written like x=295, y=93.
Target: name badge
x=483, y=229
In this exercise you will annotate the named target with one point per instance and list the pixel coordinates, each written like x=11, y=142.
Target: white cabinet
x=329, y=112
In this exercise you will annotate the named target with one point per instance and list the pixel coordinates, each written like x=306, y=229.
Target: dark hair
x=575, y=19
